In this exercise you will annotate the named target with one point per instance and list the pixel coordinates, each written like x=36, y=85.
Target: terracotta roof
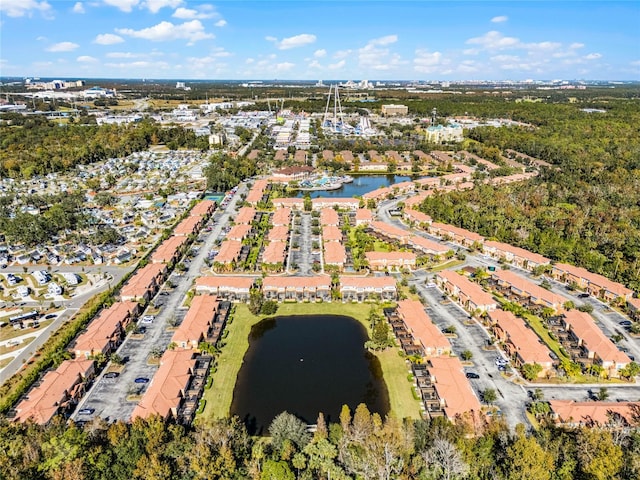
x=334, y=253
x=595, y=279
x=634, y=302
x=294, y=170
x=584, y=327
x=456, y=231
x=516, y=251
x=391, y=257
x=327, y=155
x=364, y=215
x=43, y=402
x=587, y=413
x=328, y=216
x=526, y=288
x=102, y=328
x=282, y=216
x=524, y=340
x=198, y=319
x=427, y=246
x=331, y=234
x=470, y=289
x=452, y=386
x=378, y=193
x=331, y=201
x=229, y=251
x=297, y=203
x=422, y=328
x=318, y=281
x=168, y=385
x=390, y=230
x=256, y=192
x=279, y=234
x=188, y=226
x=239, y=232
x=417, y=216
x=223, y=282
x=203, y=208
x=144, y=279
x=167, y=250
x=245, y=215
x=274, y=252
x=347, y=155
x=383, y=283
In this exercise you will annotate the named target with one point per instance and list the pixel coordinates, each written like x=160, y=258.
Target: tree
x=466, y=355
x=256, y=300
x=598, y=457
x=489, y=396
x=526, y=459
x=631, y=370
x=269, y=307
x=288, y=427
x=603, y=394
x=444, y=460
x=530, y=371
x=276, y=470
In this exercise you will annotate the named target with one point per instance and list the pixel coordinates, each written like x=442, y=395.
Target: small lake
x=361, y=184
x=306, y=364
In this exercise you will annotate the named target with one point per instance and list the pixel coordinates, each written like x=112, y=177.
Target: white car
x=148, y=319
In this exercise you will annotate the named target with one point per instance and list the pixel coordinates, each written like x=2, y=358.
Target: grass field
x=220, y=395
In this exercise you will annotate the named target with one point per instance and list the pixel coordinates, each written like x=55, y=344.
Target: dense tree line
x=34, y=146
x=584, y=210
x=357, y=446
x=225, y=172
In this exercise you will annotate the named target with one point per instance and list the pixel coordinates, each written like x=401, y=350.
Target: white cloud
x=315, y=64
x=86, y=59
x=499, y=19
x=337, y=65
x=249, y=61
x=386, y=40
x=124, y=5
x=374, y=55
x=78, y=8
x=191, y=14
x=494, y=40
x=122, y=55
x=62, y=47
x=342, y=54
x=635, y=63
x=593, y=56
x=427, y=62
x=576, y=46
x=42, y=39
x=192, y=31
x=320, y=53
x=220, y=23
x=20, y=8
x=154, y=6
x=284, y=66
x=292, y=42
x=139, y=64
x=108, y=39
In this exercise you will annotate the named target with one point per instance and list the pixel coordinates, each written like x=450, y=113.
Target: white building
x=441, y=134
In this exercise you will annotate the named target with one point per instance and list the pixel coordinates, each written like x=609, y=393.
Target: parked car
x=111, y=375
x=148, y=319
x=626, y=323
x=472, y=375
x=583, y=295
x=141, y=380
x=86, y=411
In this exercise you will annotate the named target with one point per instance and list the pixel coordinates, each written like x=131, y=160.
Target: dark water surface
x=306, y=364
x=360, y=185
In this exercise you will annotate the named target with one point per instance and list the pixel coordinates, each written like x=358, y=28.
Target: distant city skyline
x=305, y=40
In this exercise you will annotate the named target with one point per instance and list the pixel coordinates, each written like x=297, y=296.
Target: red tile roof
x=575, y=413
x=229, y=251
x=256, y=192
x=452, y=386
x=380, y=283
x=427, y=246
x=203, y=208
x=167, y=250
x=470, y=289
x=188, y=226
x=422, y=328
x=197, y=321
x=144, y=279
x=331, y=234
x=102, y=328
x=279, y=234
x=417, y=216
x=364, y=215
x=220, y=282
x=390, y=231
x=516, y=252
x=245, y=215
x=318, y=281
x=595, y=279
x=594, y=340
x=274, y=252
x=282, y=216
x=524, y=340
x=526, y=288
x=328, y=216
x=334, y=253
x=239, y=232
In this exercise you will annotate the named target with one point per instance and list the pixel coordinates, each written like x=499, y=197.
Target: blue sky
x=377, y=40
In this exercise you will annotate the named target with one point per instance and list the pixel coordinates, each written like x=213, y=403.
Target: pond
x=361, y=184
x=306, y=364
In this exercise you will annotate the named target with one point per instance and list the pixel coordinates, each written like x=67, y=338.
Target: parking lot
x=471, y=336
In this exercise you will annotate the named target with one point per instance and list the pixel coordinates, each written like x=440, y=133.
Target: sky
x=313, y=40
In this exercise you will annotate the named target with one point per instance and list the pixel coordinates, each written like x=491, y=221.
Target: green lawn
x=536, y=324
x=445, y=265
x=220, y=395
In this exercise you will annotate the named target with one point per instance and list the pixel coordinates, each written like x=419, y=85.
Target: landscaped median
x=220, y=395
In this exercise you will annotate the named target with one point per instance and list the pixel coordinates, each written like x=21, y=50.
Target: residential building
x=615, y=415
x=424, y=332
x=331, y=234
x=442, y=134
x=189, y=226
x=470, y=295
x=245, y=216
x=591, y=344
x=391, y=260
x=228, y=254
x=257, y=191
x=633, y=305
x=57, y=393
x=279, y=234
x=595, y=284
x=456, y=234
x=427, y=246
x=231, y=288
x=364, y=216
x=416, y=218
x=520, y=343
x=526, y=292
x=454, y=395
x=169, y=251
x=297, y=289
x=331, y=202
x=275, y=253
x=145, y=283
x=281, y=217
x=205, y=208
x=517, y=256
x=168, y=388
x=390, y=232
x=197, y=323
x=359, y=289
x=239, y=232
x=328, y=216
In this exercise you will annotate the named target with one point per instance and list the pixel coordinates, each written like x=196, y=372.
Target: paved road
x=72, y=306
x=109, y=396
